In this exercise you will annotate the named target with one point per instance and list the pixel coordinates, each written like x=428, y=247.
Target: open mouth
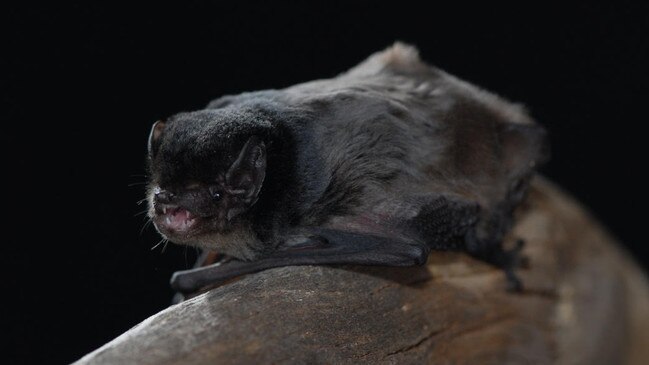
x=175, y=219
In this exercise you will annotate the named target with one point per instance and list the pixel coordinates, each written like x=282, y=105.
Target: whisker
x=165, y=246
x=141, y=201
x=158, y=244
x=148, y=222
x=139, y=213
x=137, y=183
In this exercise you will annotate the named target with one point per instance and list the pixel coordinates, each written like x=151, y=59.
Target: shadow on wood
x=585, y=302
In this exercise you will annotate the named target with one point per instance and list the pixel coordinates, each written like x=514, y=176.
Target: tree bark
x=585, y=302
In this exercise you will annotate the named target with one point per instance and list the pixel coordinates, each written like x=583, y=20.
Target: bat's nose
x=163, y=197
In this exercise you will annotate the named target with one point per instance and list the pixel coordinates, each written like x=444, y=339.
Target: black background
x=81, y=85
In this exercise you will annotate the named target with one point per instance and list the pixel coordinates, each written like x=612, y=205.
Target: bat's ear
x=154, y=137
x=247, y=173
x=524, y=148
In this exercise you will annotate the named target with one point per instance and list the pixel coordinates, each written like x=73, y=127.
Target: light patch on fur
x=404, y=58
x=399, y=56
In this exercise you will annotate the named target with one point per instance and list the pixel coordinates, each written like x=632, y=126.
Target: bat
x=380, y=165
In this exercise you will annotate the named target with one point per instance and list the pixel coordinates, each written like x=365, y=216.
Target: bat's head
x=207, y=169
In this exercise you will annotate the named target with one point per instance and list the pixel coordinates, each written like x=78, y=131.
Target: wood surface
x=585, y=302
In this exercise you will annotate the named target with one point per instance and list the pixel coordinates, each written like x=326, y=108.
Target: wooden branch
x=585, y=302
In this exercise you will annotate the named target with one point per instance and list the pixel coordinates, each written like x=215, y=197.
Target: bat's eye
x=215, y=193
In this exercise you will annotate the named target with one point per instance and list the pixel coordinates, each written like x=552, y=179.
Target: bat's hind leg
x=450, y=223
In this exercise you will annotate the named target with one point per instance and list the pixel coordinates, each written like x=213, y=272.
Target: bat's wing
x=324, y=247
x=442, y=223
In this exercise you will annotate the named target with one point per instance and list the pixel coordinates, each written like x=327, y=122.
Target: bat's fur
x=368, y=151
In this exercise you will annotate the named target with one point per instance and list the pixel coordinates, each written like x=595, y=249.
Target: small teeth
x=172, y=218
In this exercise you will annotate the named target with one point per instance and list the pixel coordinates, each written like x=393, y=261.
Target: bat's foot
x=514, y=284
x=514, y=259
x=507, y=260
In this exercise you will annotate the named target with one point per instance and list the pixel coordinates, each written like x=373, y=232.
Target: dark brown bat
x=377, y=166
